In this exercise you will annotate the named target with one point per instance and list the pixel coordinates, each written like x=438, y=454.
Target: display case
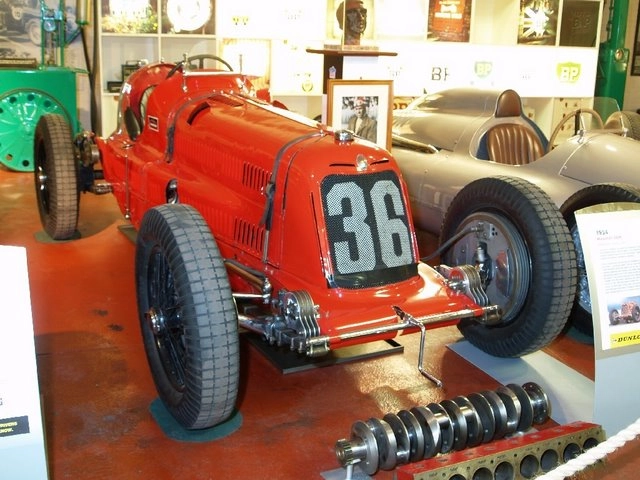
x=136, y=32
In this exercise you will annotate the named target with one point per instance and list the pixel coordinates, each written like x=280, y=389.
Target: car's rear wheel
x=630, y=121
x=187, y=315
x=592, y=195
x=524, y=250
x=56, y=177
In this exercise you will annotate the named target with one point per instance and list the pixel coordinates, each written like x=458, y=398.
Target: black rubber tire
x=533, y=266
x=629, y=120
x=581, y=318
x=56, y=177
x=187, y=316
x=635, y=314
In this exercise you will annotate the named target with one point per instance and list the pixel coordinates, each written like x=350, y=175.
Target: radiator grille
x=368, y=230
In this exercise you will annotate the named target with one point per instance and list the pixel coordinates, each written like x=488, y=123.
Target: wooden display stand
x=349, y=64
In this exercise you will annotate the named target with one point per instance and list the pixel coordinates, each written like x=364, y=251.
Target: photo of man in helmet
x=361, y=122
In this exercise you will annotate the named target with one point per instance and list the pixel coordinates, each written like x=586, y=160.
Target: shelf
x=352, y=52
x=488, y=51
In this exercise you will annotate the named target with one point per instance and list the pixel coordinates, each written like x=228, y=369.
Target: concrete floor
x=97, y=390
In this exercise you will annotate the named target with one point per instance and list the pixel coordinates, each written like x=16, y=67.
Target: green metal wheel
x=20, y=111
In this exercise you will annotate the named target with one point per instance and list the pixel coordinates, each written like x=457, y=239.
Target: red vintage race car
x=250, y=216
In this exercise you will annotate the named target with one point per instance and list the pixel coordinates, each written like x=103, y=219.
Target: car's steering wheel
x=200, y=59
x=577, y=115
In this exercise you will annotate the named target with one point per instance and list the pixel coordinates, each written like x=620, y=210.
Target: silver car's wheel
x=523, y=249
x=630, y=121
x=587, y=197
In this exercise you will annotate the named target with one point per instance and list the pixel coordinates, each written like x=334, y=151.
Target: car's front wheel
x=522, y=247
x=589, y=196
x=187, y=315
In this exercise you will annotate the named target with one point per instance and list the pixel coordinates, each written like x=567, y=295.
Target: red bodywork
x=269, y=183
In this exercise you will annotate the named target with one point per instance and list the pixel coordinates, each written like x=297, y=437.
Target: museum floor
x=97, y=391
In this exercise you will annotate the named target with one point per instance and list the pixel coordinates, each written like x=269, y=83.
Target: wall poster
x=538, y=22
x=579, y=25
x=449, y=20
x=20, y=30
x=129, y=16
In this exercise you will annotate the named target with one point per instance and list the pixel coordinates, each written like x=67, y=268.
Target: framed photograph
x=129, y=17
x=362, y=106
x=192, y=17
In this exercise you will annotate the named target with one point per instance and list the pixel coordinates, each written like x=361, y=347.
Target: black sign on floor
x=14, y=426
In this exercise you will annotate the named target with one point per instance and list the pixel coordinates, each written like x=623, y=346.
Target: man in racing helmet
x=361, y=123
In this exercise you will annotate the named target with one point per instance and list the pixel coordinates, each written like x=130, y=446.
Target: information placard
x=22, y=448
x=611, y=249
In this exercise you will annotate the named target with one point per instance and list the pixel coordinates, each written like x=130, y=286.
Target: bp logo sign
x=483, y=69
x=568, y=72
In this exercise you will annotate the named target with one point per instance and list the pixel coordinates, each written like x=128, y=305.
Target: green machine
x=30, y=89
x=613, y=57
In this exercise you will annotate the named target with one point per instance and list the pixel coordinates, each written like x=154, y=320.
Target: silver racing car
x=451, y=145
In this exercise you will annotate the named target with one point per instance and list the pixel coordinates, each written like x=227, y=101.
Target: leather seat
x=512, y=143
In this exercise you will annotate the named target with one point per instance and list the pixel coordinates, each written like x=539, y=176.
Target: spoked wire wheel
x=187, y=315
x=20, y=111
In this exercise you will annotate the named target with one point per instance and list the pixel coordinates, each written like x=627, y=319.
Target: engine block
x=520, y=457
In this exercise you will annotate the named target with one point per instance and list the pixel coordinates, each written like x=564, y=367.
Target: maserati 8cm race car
x=447, y=143
x=250, y=216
